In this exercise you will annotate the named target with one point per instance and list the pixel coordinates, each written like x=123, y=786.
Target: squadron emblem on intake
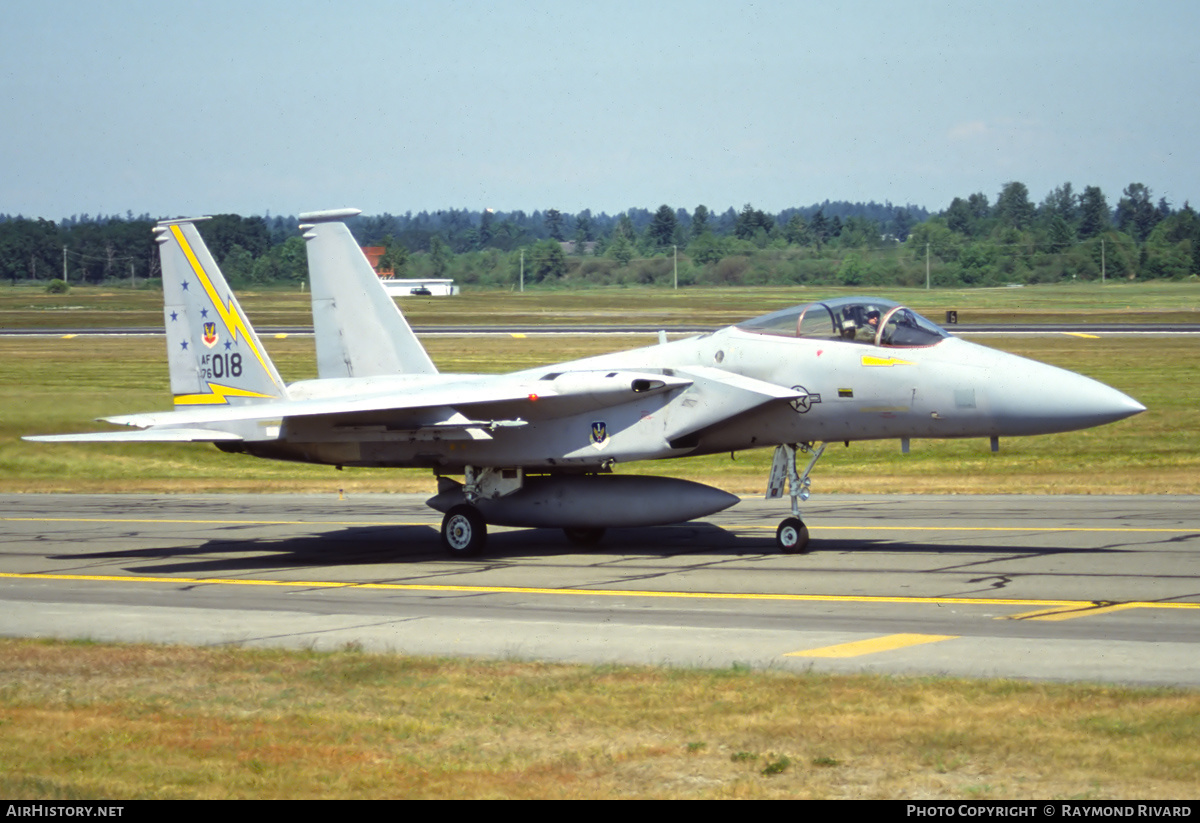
x=599, y=434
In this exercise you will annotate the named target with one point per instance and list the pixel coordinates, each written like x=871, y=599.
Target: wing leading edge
x=157, y=435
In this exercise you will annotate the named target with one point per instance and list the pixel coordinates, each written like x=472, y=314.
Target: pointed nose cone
x=1046, y=399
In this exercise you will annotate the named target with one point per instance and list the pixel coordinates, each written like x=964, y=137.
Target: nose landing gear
x=792, y=534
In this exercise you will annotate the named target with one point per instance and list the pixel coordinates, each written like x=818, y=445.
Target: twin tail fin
x=359, y=329
x=215, y=357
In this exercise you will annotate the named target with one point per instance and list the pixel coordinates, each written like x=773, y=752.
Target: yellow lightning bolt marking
x=232, y=319
x=216, y=395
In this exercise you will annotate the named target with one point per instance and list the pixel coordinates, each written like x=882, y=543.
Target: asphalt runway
x=1059, y=588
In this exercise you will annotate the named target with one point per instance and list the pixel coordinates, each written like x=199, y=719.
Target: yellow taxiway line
x=1046, y=606
x=873, y=645
x=1071, y=612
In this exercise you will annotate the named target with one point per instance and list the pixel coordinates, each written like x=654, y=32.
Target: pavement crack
x=270, y=637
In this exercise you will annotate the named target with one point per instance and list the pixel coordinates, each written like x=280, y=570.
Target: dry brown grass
x=101, y=721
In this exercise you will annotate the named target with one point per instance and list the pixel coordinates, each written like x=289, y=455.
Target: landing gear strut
x=792, y=534
x=464, y=531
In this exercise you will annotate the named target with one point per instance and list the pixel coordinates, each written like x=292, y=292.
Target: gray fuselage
x=844, y=390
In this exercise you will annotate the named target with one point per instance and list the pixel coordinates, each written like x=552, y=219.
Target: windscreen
x=867, y=320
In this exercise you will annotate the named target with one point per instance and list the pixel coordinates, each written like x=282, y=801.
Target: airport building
x=397, y=287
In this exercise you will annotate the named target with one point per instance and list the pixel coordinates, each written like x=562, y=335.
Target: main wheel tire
x=464, y=533
x=792, y=536
x=584, y=536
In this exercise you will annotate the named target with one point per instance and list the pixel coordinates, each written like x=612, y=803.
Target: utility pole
x=926, y=267
x=522, y=271
x=1101, y=259
x=64, y=264
x=676, y=267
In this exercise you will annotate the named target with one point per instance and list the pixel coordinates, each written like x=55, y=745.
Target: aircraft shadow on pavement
x=389, y=544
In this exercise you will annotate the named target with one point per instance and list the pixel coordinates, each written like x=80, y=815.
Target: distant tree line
x=112, y=249
x=1067, y=235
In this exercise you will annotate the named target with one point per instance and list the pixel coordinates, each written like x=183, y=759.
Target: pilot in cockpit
x=872, y=322
x=862, y=330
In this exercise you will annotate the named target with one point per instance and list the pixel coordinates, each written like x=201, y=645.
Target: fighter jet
x=539, y=448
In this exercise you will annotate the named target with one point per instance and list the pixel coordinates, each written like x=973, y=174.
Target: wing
x=419, y=402
x=165, y=435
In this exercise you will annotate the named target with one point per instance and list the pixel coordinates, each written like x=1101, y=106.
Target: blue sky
x=253, y=107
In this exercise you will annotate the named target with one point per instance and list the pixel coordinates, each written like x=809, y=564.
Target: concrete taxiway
x=1060, y=588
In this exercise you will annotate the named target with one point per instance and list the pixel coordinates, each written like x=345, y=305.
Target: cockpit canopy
x=867, y=320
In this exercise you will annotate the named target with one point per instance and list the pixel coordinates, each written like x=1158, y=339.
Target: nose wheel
x=792, y=534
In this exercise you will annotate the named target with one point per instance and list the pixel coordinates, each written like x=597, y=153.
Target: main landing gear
x=465, y=525
x=464, y=532
x=792, y=534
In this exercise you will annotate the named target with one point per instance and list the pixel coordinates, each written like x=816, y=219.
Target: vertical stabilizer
x=214, y=355
x=360, y=331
